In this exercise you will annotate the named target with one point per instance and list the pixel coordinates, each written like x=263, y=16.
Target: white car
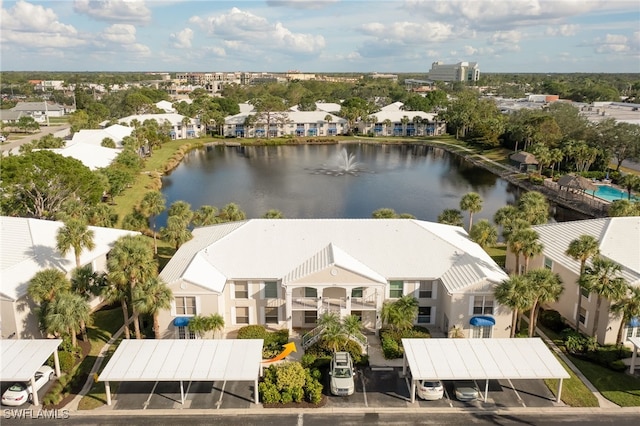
x=430, y=390
x=342, y=372
x=466, y=390
x=19, y=393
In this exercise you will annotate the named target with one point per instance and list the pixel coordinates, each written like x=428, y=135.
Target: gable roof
x=288, y=249
x=396, y=116
x=28, y=245
x=36, y=106
x=172, y=118
x=92, y=156
x=619, y=239
x=523, y=157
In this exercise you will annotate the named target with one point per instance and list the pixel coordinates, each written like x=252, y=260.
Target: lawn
x=574, y=392
x=498, y=253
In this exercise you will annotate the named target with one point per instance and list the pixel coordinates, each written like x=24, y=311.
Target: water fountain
x=346, y=164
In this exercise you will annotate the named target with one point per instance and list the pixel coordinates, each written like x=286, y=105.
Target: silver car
x=342, y=372
x=466, y=390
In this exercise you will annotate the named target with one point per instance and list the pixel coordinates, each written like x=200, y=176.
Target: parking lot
x=377, y=387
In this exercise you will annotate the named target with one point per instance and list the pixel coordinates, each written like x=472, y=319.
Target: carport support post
x=56, y=362
x=107, y=390
x=255, y=392
x=181, y=392
x=559, y=390
x=486, y=389
x=34, y=392
x=413, y=391
x=404, y=365
x=632, y=367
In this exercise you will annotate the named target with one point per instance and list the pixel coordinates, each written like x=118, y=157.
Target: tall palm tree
x=328, y=319
x=76, y=235
x=582, y=248
x=103, y=215
x=530, y=248
x=231, y=213
x=45, y=284
x=131, y=261
x=150, y=297
x=546, y=287
x=352, y=326
x=205, y=216
x=534, y=207
x=471, y=202
x=182, y=210
x=152, y=205
x=273, y=214
x=112, y=293
x=387, y=125
x=602, y=278
x=334, y=337
x=629, y=307
x=515, y=293
x=484, y=233
x=176, y=232
x=65, y=314
x=451, y=217
x=401, y=313
x=518, y=240
x=505, y=216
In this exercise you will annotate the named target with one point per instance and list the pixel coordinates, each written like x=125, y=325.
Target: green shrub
x=391, y=348
x=552, y=320
x=308, y=360
x=322, y=351
x=313, y=392
x=290, y=382
x=253, y=332
x=269, y=392
x=536, y=179
x=67, y=361
x=286, y=396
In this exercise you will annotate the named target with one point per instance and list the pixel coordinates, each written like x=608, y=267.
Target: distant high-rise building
x=462, y=71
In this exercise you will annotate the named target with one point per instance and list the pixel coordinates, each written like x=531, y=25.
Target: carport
x=636, y=345
x=184, y=360
x=480, y=359
x=21, y=359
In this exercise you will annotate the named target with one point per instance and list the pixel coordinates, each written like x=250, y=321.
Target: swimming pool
x=610, y=193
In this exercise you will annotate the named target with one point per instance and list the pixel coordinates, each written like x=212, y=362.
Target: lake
x=305, y=181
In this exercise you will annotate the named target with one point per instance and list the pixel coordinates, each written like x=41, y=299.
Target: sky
x=321, y=36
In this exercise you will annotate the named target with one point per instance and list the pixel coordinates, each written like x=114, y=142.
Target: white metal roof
x=619, y=239
x=175, y=360
x=376, y=248
x=92, y=156
x=459, y=359
x=21, y=358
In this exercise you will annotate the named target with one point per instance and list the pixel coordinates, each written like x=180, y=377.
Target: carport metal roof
x=21, y=358
x=185, y=360
x=460, y=359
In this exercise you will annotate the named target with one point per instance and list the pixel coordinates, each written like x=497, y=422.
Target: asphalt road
x=569, y=417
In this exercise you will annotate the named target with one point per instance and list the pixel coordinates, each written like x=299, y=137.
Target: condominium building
x=462, y=71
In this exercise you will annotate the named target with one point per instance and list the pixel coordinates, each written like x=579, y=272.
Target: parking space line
x=516, y=392
x=364, y=389
x=300, y=421
x=146, y=403
x=219, y=403
x=444, y=388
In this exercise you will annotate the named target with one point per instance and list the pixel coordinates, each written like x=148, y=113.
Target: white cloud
x=182, y=39
x=612, y=43
x=301, y=4
x=132, y=11
x=505, y=37
x=215, y=51
x=562, y=30
x=470, y=50
x=120, y=33
x=254, y=33
x=409, y=32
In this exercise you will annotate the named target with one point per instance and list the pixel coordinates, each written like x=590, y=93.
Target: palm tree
x=472, y=203
x=583, y=248
x=484, y=233
x=451, y=217
x=630, y=182
x=112, y=293
x=182, y=210
x=518, y=240
x=45, y=284
x=387, y=124
x=352, y=326
x=328, y=319
x=205, y=216
x=131, y=261
x=65, y=313
x=602, y=279
x=534, y=207
x=102, y=215
x=152, y=205
x=334, y=337
x=516, y=294
x=176, y=232
x=86, y=284
x=546, y=287
x=76, y=235
x=401, y=313
x=231, y=213
x=151, y=297
x=404, y=121
x=530, y=248
x=629, y=307
x=273, y=214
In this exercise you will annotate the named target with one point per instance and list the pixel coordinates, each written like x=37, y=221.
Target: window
x=585, y=293
x=356, y=292
x=483, y=305
x=242, y=315
x=633, y=332
x=185, y=305
x=583, y=316
x=185, y=333
x=310, y=317
x=396, y=289
x=481, y=332
x=426, y=290
x=270, y=290
x=548, y=263
x=242, y=290
x=424, y=315
x=310, y=292
x=271, y=315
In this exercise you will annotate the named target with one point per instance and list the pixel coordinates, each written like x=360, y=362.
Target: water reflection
x=414, y=179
